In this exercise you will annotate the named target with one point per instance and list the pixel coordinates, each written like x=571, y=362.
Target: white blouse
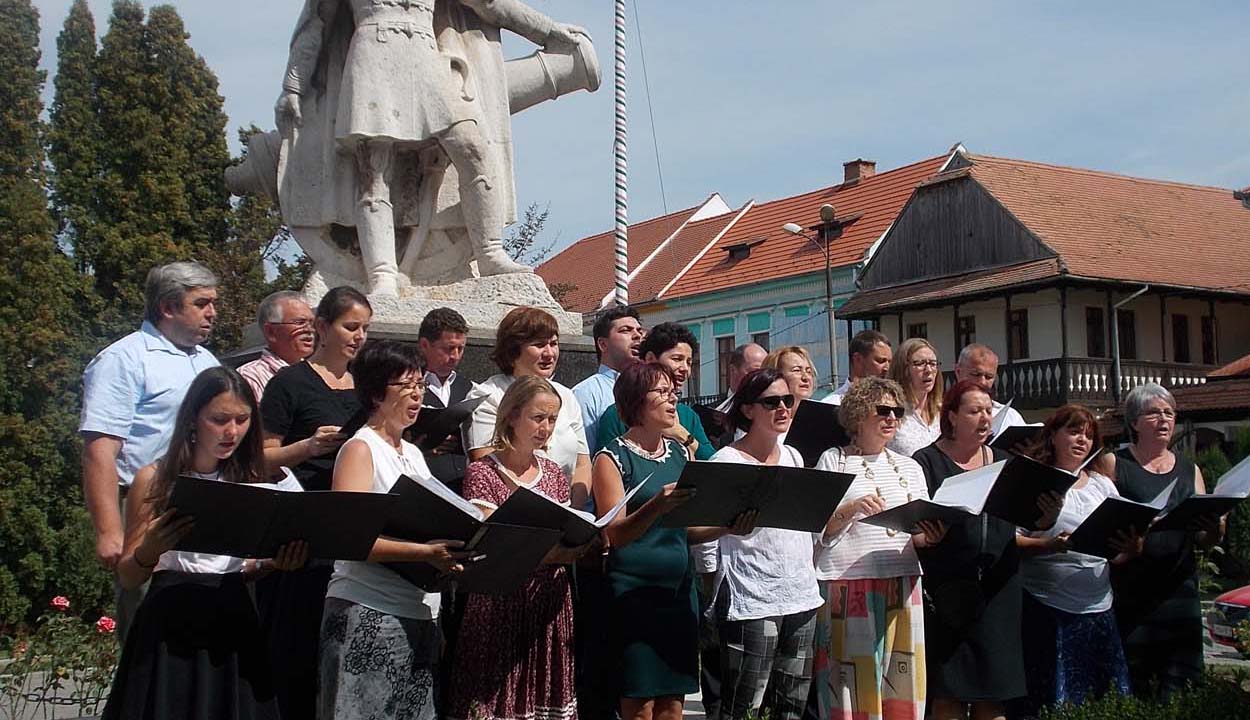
x=862, y=551
x=566, y=443
x=914, y=433
x=768, y=572
x=1072, y=582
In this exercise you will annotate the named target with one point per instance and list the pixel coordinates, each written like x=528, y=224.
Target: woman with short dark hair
x=380, y=640
x=527, y=342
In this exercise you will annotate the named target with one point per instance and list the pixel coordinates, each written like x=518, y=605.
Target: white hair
x=170, y=283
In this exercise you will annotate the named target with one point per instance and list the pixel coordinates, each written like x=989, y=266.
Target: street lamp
x=828, y=218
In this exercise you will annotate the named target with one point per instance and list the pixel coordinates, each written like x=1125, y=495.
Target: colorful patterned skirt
x=870, y=650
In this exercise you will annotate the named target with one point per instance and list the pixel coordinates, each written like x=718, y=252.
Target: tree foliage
x=74, y=135
x=522, y=244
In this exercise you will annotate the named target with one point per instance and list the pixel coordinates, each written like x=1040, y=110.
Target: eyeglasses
x=922, y=364
x=300, y=324
x=888, y=410
x=1168, y=413
x=409, y=386
x=772, y=402
x=664, y=393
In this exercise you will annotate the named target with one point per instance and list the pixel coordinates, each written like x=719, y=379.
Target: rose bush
x=64, y=661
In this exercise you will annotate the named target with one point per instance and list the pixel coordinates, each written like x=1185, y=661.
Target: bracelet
x=690, y=440
x=135, y=556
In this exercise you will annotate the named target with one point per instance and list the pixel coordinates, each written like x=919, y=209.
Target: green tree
x=44, y=537
x=74, y=133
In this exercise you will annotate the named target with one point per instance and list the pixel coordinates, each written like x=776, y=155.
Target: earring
x=191, y=436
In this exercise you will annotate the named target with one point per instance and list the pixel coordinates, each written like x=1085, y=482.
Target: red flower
x=105, y=625
x=61, y=603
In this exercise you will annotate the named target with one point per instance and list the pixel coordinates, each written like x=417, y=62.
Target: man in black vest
x=441, y=340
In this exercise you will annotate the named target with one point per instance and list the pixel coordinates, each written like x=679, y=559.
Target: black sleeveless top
x=1169, y=553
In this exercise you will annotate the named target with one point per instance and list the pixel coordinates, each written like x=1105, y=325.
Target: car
x=1229, y=610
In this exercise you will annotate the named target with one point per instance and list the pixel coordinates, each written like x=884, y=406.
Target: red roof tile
x=879, y=198
x=1235, y=368
x=671, y=259
x=1122, y=228
x=1225, y=395
x=588, y=263
x=925, y=292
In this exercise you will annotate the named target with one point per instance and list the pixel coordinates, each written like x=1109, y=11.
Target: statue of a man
x=380, y=96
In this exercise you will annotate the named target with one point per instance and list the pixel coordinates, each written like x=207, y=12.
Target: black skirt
x=194, y=652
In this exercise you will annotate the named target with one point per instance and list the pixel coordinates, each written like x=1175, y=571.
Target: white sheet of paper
x=999, y=421
x=616, y=509
x=1236, y=482
x=446, y=493
x=969, y=490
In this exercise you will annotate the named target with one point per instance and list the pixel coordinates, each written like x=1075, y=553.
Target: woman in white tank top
x=380, y=639
x=195, y=648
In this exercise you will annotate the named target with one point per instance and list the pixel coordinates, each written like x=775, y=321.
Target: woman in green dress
x=654, y=613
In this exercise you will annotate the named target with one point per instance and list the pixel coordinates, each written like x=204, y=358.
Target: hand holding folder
x=786, y=497
x=1112, y=521
x=1231, y=489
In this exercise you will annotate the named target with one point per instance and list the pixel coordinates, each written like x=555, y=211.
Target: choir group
x=974, y=616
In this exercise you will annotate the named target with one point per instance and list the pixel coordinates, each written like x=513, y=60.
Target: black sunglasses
x=886, y=410
x=772, y=402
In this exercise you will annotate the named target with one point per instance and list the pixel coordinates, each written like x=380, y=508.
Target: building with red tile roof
x=1054, y=267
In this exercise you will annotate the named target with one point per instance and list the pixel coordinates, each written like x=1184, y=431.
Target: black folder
x=1232, y=487
x=1115, y=515
x=508, y=553
x=1018, y=486
x=530, y=508
x=253, y=522
x=433, y=425
x=715, y=423
x=786, y=497
x=815, y=429
x=431, y=511
x=908, y=516
x=1009, y=438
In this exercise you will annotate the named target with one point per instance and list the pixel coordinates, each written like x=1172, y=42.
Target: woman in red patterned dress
x=514, y=657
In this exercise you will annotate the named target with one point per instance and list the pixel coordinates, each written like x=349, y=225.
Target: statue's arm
x=306, y=46
x=515, y=16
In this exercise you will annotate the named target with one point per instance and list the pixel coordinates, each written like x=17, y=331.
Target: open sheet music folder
x=786, y=497
x=1112, y=516
x=1230, y=490
x=252, y=521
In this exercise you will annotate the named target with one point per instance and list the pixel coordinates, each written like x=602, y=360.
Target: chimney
x=858, y=169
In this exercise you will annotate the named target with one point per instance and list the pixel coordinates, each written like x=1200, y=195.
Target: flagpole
x=620, y=152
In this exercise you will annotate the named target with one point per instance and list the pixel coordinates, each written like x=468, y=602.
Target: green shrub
x=1220, y=696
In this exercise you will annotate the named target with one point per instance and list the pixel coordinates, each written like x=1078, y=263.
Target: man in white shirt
x=441, y=340
x=744, y=360
x=870, y=357
x=979, y=364
x=286, y=321
x=617, y=334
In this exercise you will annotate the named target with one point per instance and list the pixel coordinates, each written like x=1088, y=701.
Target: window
x=1208, y=341
x=724, y=349
x=966, y=331
x=918, y=330
x=1180, y=338
x=1018, y=334
x=761, y=339
x=1095, y=333
x=1126, y=322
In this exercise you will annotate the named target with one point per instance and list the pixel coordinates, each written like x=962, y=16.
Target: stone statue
x=392, y=163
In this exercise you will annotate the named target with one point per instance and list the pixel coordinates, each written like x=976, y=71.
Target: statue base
x=483, y=301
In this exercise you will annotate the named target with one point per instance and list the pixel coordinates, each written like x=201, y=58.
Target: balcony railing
x=1041, y=383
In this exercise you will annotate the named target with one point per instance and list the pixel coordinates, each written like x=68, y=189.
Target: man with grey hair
x=744, y=360
x=286, y=322
x=979, y=364
x=131, y=394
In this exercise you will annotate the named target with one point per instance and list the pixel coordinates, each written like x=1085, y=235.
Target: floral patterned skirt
x=514, y=655
x=870, y=650
x=376, y=666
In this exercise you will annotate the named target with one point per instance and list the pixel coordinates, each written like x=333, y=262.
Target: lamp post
x=828, y=218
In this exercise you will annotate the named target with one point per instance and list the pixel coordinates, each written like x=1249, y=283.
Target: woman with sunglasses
x=1072, y=649
x=766, y=593
x=916, y=369
x=870, y=631
x=971, y=578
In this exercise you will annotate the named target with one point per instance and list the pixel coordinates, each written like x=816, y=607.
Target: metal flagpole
x=620, y=153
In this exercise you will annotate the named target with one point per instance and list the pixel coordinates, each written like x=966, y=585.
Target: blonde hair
x=519, y=393
x=860, y=402
x=900, y=369
x=776, y=356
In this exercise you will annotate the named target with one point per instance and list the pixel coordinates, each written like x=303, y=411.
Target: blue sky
x=767, y=99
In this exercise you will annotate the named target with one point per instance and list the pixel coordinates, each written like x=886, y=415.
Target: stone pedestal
x=482, y=301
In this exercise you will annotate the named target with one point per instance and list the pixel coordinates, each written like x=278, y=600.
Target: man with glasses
x=979, y=364
x=286, y=321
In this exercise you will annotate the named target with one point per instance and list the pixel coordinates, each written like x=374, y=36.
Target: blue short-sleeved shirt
x=132, y=391
x=594, y=394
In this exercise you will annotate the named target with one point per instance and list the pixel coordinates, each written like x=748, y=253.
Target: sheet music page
x=1236, y=482
x=969, y=490
x=616, y=509
x=451, y=497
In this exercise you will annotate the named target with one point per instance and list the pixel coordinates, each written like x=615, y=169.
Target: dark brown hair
x=632, y=387
x=1068, y=416
x=520, y=326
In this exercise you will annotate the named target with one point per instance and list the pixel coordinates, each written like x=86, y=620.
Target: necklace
x=871, y=477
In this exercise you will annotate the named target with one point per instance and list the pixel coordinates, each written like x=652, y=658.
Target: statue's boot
x=375, y=226
x=480, y=203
